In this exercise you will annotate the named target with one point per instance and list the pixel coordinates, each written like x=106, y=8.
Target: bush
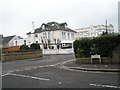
x=24, y=47
x=106, y=43
x=35, y=46
x=79, y=53
x=82, y=47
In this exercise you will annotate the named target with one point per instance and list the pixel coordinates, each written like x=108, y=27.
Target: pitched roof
x=7, y=39
x=53, y=26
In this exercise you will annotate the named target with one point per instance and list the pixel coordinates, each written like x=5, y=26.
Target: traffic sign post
x=95, y=56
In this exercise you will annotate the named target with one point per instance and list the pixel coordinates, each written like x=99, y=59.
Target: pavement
x=92, y=67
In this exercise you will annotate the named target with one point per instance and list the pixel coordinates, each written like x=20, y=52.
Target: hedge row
x=103, y=45
x=33, y=46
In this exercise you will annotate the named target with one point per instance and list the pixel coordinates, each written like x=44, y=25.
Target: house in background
x=52, y=35
x=93, y=31
x=9, y=40
x=20, y=42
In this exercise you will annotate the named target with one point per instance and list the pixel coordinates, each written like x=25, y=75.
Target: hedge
x=102, y=45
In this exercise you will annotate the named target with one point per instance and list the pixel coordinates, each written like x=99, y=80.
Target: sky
x=16, y=16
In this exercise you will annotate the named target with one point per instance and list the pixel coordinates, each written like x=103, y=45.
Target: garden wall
x=21, y=55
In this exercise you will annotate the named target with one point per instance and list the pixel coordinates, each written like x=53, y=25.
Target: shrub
x=79, y=53
x=35, y=46
x=82, y=47
x=106, y=43
x=24, y=47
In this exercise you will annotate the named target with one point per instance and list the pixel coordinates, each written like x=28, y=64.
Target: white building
x=52, y=35
x=94, y=30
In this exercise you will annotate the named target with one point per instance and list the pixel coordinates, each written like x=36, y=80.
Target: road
x=46, y=72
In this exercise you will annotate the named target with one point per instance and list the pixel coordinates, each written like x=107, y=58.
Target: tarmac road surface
x=46, y=72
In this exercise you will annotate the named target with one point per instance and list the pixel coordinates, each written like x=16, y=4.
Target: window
x=24, y=41
x=43, y=27
x=16, y=43
x=37, y=42
x=68, y=35
x=65, y=26
x=63, y=35
x=44, y=35
x=48, y=35
x=52, y=25
x=72, y=35
x=36, y=35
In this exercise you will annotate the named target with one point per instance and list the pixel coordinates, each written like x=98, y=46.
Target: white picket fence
x=58, y=51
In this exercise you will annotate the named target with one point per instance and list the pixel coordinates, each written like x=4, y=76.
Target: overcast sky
x=16, y=16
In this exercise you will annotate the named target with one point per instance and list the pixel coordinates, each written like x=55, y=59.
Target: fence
x=17, y=55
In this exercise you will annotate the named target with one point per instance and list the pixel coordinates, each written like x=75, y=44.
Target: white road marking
x=59, y=82
x=63, y=62
x=40, y=66
x=52, y=57
x=51, y=65
x=22, y=70
x=46, y=65
x=17, y=70
x=95, y=65
x=27, y=68
x=35, y=67
x=11, y=71
x=106, y=65
x=25, y=76
x=109, y=86
x=5, y=74
x=66, y=62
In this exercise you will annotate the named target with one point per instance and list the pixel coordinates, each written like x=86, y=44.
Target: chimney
x=33, y=27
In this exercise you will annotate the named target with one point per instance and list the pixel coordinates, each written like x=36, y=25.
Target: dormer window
x=65, y=26
x=52, y=25
x=43, y=27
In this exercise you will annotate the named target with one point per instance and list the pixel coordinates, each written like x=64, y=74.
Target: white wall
x=20, y=42
x=58, y=51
